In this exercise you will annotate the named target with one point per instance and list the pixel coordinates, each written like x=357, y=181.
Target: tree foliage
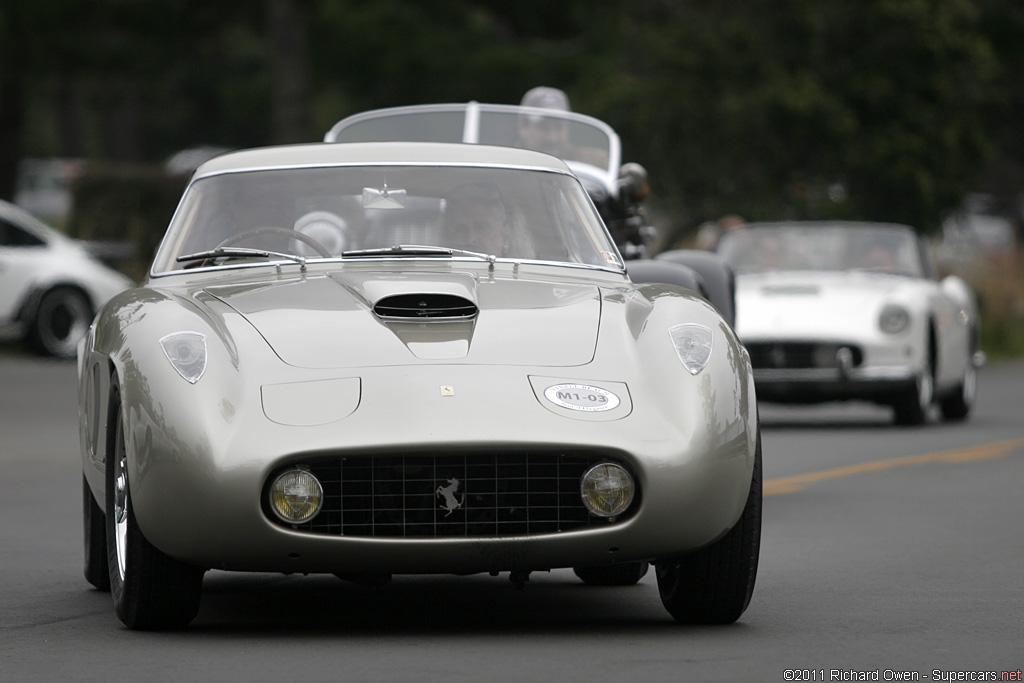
x=878, y=109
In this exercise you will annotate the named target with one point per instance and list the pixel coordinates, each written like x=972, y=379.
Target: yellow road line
x=784, y=485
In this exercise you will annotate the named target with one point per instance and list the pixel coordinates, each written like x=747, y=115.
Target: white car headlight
x=606, y=489
x=296, y=496
x=893, y=319
x=187, y=353
x=693, y=345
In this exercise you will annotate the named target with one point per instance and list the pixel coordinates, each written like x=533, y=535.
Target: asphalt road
x=885, y=550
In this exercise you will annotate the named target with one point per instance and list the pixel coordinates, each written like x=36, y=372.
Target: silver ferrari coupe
x=369, y=359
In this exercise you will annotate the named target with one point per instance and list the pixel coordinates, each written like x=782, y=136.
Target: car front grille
x=446, y=495
x=799, y=355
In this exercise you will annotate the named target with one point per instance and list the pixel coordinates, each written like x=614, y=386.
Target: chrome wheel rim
x=120, y=501
x=970, y=385
x=924, y=391
x=65, y=321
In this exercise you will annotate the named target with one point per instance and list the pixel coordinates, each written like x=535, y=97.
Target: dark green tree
x=804, y=109
x=879, y=109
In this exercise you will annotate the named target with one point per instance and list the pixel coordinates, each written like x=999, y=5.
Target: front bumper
x=198, y=498
x=812, y=385
x=811, y=371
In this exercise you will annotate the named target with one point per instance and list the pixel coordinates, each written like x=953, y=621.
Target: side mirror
x=959, y=291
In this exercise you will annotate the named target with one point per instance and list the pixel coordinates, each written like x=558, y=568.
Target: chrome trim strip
x=388, y=259
x=396, y=162
x=471, y=127
x=868, y=374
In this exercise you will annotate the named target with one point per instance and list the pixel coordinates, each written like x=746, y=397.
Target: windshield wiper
x=240, y=252
x=416, y=250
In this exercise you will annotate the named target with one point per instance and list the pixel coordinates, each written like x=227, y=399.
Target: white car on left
x=50, y=284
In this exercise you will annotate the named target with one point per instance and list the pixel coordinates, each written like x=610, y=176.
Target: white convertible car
x=845, y=310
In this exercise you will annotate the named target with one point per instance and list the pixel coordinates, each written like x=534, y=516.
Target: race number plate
x=582, y=397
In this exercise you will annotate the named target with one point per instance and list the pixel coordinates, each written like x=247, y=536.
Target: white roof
x=396, y=153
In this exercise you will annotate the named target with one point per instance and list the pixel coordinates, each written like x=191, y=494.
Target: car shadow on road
x=829, y=417
x=827, y=425
x=445, y=606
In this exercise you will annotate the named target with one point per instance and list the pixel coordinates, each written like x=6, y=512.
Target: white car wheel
x=925, y=391
x=62, y=318
x=958, y=405
x=912, y=407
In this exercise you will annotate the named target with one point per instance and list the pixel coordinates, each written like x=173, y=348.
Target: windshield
x=587, y=144
x=349, y=211
x=885, y=249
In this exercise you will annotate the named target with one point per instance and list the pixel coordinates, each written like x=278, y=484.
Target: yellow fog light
x=607, y=489
x=296, y=496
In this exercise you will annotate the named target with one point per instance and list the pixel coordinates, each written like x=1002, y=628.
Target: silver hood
x=329, y=321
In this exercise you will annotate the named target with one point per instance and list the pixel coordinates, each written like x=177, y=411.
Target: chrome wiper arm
x=240, y=252
x=414, y=250
x=400, y=250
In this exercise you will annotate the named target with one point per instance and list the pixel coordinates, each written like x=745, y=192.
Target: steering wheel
x=274, y=230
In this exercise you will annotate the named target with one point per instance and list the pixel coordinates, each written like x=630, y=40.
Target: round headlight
x=607, y=489
x=893, y=319
x=296, y=496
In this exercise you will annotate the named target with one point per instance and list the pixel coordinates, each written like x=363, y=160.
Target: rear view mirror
x=383, y=198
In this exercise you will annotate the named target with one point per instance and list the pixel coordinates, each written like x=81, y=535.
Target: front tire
x=714, y=585
x=957, y=406
x=95, y=527
x=62, y=318
x=151, y=591
x=911, y=409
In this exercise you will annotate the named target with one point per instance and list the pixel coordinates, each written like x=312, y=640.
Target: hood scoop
x=425, y=307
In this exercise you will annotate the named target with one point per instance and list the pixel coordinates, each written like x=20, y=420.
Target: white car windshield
x=588, y=145
x=884, y=249
x=364, y=211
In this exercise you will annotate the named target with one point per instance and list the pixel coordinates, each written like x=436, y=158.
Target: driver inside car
x=477, y=218
x=550, y=134
x=546, y=134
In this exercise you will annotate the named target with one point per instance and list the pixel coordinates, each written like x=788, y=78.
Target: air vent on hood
x=425, y=307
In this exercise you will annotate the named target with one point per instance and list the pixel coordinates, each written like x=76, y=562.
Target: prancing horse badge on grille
x=451, y=503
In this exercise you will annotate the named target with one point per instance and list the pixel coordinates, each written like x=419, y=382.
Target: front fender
x=163, y=412
x=716, y=406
